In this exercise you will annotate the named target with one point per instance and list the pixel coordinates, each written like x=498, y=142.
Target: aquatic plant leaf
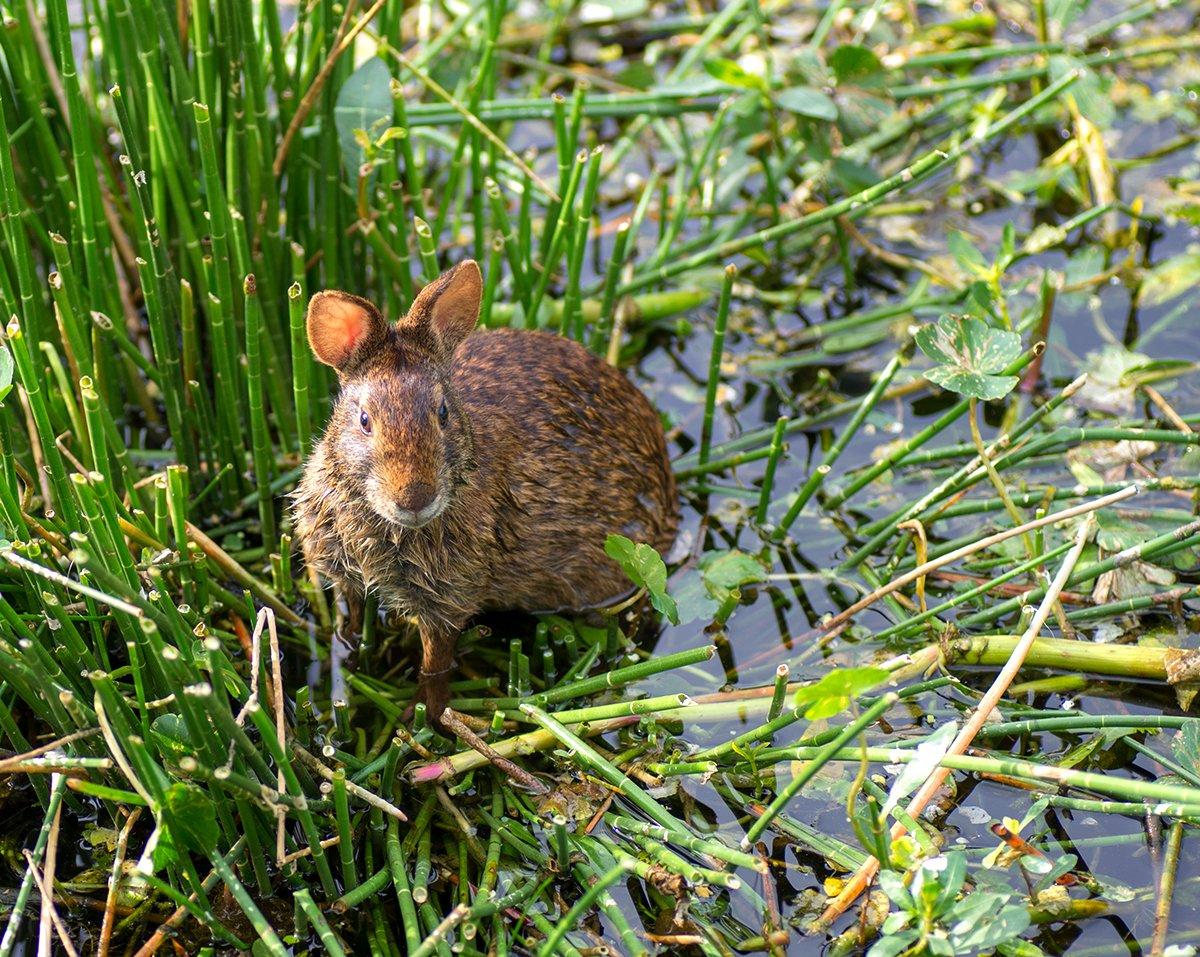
x=1107, y=388
x=191, y=817
x=1186, y=745
x=160, y=850
x=966, y=253
x=861, y=111
x=1090, y=93
x=733, y=74
x=171, y=734
x=985, y=919
x=937, y=882
x=892, y=884
x=806, y=101
x=852, y=63
x=692, y=597
x=832, y=694
x=1169, y=279
x=725, y=571
x=364, y=103
x=970, y=355
x=892, y=944
x=646, y=569
x=6, y=371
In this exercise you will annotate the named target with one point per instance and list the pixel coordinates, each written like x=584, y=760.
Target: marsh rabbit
x=469, y=470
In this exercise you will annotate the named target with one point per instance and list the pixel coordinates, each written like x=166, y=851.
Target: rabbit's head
x=398, y=429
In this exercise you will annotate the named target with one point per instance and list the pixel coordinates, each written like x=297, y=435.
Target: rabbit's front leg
x=437, y=661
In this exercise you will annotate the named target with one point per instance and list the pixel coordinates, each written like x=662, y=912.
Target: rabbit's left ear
x=445, y=311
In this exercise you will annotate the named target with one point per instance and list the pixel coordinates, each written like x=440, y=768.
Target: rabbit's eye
x=443, y=413
x=364, y=422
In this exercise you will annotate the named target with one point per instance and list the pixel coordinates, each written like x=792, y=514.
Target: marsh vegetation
x=907, y=281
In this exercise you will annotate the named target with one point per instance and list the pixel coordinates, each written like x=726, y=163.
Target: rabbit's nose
x=416, y=497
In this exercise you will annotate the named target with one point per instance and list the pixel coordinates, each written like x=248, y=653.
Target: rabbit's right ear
x=342, y=328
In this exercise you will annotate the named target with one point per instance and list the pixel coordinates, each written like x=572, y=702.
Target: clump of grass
x=175, y=183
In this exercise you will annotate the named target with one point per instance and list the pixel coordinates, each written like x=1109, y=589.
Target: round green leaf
x=806, y=101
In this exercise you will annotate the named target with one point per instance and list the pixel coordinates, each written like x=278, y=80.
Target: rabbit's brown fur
x=526, y=449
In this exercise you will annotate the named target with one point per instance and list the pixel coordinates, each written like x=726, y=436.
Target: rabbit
x=468, y=470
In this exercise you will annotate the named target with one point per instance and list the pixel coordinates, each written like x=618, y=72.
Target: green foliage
x=646, y=569
x=190, y=815
x=934, y=916
x=731, y=74
x=836, y=689
x=364, y=107
x=725, y=571
x=852, y=63
x=1170, y=279
x=6, y=371
x=969, y=356
x=167, y=403
x=806, y=101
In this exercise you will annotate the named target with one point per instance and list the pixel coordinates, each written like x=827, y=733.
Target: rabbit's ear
x=445, y=311
x=342, y=328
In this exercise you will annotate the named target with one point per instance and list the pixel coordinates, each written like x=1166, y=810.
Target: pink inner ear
x=351, y=325
x=337, y=327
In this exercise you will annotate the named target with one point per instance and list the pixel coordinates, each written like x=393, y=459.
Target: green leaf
x=162, y=850
x=988, y=923
x=6, y=371
x=725, y=571
x=732, y=74
x=806, y=101
x=1170, y=279
x=897, y=892
x=1156, y=370
x=694, y=601
x=1109, y=387
x=892, y=945
x=363, y=103
x=1186, y=746
x=853, y=177
x=861, y=112
x=832, y=694
x=171, y=735
x=965, y=253
x=969, y=354
x=1090, y=92
x=191, y=817
x=646, y=569
x=855, y=64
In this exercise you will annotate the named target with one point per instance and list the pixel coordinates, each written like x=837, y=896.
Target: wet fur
x=547, y=451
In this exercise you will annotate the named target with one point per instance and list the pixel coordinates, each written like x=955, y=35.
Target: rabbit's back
x=568, y=452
